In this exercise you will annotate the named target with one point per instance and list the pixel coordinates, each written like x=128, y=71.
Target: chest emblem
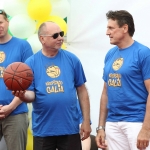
x=117, y=64
x=53, y=71
x=2, y=56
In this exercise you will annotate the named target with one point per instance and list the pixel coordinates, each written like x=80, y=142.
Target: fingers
x=85, y=130
x=142, y=144
x=85, y=135
x=81, y=134
x=18, y=93
x=103, y=142
x=100, y=143
x=2, y=116
x=100, y=139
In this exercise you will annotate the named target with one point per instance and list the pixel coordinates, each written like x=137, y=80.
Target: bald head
x=47, y=26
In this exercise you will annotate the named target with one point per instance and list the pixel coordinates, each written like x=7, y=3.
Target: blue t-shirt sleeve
x=26, y=50
x=79, y=74
x=30, y=62
x=104, y=77
x=144, y=55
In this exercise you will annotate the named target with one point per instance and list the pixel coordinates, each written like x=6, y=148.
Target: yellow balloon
x=39, y=9
x=60, y=22
x=39, y=22
x=64, y=46
x=29, y=140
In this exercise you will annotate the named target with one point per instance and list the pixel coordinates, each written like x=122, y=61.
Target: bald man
x=59, y=81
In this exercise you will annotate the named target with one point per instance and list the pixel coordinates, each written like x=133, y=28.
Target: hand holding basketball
x=18, y=76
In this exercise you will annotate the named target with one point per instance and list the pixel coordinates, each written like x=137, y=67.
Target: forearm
x=15, y=103
x=103, y=107
x=84, y=102
x=28, y=97
x=103, y=111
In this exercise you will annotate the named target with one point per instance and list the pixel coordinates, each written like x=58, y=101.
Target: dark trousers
x=64, y=142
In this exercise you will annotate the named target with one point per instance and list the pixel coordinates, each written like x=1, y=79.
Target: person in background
x=58, y=80
x=13, y=112
x=125, y=101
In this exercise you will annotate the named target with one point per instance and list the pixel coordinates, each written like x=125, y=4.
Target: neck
x=125, y=43
x=5, y=38
x=49, y=53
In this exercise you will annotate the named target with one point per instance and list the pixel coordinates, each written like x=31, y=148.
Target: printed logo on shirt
x=54, y=87
x=114, y=79
x=1, y=71
x=117, y=64
x=53, y=71
x=2, y=56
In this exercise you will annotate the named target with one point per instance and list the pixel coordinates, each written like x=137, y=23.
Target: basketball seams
x=16, y=79
x=16, y=67
x=13, y=81
x=18, y=76
x=13, y=74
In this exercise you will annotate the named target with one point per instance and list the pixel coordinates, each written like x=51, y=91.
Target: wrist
x=100, y=128
x=146, y=127
x=14, y=104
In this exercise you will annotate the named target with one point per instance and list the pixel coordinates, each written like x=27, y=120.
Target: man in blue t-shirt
x=125, y=100
x=58, y=80
x=13, y=112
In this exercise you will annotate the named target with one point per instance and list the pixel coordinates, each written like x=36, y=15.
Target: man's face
x=3, y=26
x=115, y=33
x=49, y=41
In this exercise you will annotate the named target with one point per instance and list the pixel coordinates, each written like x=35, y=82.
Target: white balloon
x=15, y=7
x=35, y=43
x=60, y=8
x=22, y=26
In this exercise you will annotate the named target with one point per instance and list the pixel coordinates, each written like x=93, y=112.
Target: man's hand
x=2, y=116
x=19, y=94
x=5, y=111
x=25, y=96
x=143, y=139
x=85, y=130
x=100, y=139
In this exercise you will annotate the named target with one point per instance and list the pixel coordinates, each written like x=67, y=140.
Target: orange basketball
x=18, y=76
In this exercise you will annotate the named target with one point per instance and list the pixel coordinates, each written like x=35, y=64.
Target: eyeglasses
x=55, y=35
x=2, y=12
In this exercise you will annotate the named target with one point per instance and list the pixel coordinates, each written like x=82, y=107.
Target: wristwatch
x=100, y=128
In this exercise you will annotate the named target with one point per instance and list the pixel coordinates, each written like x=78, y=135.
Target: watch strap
x=100, y=128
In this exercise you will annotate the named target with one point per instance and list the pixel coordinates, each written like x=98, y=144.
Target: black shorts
x=64, y=142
